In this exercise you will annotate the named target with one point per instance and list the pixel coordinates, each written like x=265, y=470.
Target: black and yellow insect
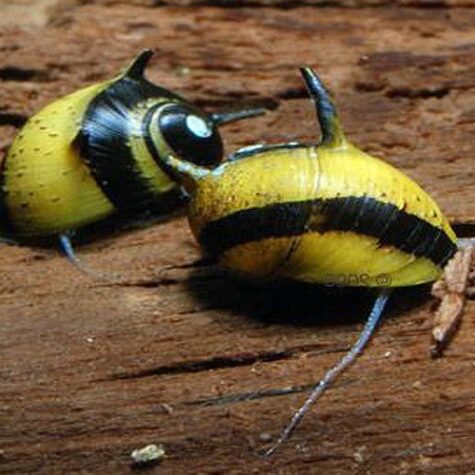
x=97, y=151
x=325, y=214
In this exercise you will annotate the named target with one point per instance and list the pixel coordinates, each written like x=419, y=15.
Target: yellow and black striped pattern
x=92, y=153
x=328, y=214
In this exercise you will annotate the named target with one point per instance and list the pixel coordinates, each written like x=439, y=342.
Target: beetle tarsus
x=332, y=374
x=67, y=247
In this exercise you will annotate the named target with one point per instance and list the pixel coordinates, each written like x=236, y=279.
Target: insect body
x=321, y=214
x=96, y=152
x=327, y=214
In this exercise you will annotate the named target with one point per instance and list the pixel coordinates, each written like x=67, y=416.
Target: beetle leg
x=225, y=117
x=342, y=365
x=67, y=247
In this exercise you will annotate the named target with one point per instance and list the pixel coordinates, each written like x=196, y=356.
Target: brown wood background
x=89, y=371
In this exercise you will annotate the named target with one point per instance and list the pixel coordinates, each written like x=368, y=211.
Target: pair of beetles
x=319, y=213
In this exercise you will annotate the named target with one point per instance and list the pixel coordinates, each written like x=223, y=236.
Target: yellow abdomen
x=47, y=187
x=322, y=215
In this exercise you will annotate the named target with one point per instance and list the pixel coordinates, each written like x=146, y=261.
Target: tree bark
x=92, y=370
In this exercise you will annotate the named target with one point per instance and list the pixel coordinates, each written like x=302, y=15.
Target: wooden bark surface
x=92, y=370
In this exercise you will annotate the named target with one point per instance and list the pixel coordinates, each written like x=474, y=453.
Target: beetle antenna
x=136, y=69
x=332, y=131
x=67, y=247
x=332, y=374
x=225, y=117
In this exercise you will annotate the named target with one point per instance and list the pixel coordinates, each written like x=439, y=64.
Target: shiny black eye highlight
x=191, y=135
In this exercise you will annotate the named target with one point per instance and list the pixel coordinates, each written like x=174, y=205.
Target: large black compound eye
x=191, y=135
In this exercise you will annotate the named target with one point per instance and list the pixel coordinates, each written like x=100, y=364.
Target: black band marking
x=173, y=126
x=361, y=215
x=103, y=142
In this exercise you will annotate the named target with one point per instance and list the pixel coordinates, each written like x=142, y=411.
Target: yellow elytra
x=328, y=214
x=96, y=152
x=324, y=214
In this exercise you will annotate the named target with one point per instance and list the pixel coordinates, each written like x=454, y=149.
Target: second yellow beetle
x=324, y=214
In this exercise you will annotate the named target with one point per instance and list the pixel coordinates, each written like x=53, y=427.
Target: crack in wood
x=154, y=283
x=262, y=393
x=464, y=230
x=216, y=362
x=219, y=362
x=293, y=93
x=147, y=284
x=17, y=73
x=293, y=4
x=235, y=398
x=424, y=93
x=12, y=118
x=248, y=396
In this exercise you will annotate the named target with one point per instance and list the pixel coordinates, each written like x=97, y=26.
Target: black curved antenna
x=332, y=131
x=137, y=68
x=225, y=117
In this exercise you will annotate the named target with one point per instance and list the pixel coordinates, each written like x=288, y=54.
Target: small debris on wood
x=167, y=408
x=452, y=289
x=359, y=454
x=147, y=455
x=265, y=437
x=417, y=385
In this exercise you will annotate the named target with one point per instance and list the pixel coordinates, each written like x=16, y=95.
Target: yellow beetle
x=96, y=152
x=324, y=214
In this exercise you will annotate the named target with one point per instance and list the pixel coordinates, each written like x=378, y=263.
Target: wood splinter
x=457, y=283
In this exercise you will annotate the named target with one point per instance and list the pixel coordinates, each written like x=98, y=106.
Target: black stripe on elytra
x=361, y=215
x=103, y=142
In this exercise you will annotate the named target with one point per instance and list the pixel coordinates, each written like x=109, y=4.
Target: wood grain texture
x=293, y=3
x=90, y=370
